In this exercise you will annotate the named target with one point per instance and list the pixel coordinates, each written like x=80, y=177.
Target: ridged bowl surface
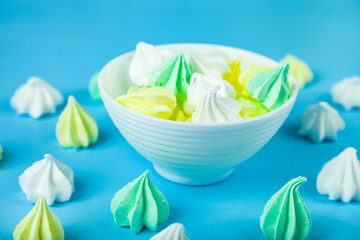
x=190, y=153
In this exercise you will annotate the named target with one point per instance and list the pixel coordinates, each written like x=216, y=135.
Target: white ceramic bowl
x=190, y=153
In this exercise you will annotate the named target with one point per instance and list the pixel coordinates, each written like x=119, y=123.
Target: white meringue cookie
x=340, y=177
x=347, y=92
x=145, y=58
x=49, y=178
x=36, y=98
x=212, y=62
x=199, y=84
x=320, y=122
x=215, y=108
x=175, y=231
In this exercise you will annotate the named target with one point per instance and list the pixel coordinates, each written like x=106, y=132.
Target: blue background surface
x=64, y=42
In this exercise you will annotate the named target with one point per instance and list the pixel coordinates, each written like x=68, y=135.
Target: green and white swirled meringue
x=299, y=69
x=40, y=224
x=285, y=215
x=174, y=75
x=76, y=127
x=270, y=88
x=146, y=57
x=140, y=204
x=215, y=108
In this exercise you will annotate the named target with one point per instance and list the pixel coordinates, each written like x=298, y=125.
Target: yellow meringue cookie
x=155, y=101
x=251, y=108
x=179, y=115
x=233, y=76
x=135, y=89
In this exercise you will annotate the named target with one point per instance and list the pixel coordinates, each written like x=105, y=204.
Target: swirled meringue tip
x=140, y=204
x=320, y=122
x=271, y=88
x=340, y=177
x=76, y=127
x=285, y=215
x=299, y=69
x=199, y=84
x=175, y=231
x=346, y=92
x=36, y=98
x=154, y=101
x=251, y=72
x=40, y=224
x=215, y=108
x=49, y=178
x=174, y=75
x=94, y=88
x=146, y=57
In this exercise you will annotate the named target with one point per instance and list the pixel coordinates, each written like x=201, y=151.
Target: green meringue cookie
x=270, y=88
x=140, y=204
x=76, y=127
x=40, y=224
x=285, y=214
x=299, y=69
x=174, y=75
x=94, y=88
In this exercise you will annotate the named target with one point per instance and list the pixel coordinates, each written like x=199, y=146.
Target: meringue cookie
x=146, y=57
x=199, y=84
x=179, y=115
x=75, y=127
x=340, y=177
x=299, y=69
x=233, y=77
x=347, y=92
x=175, y=231
x=94, y=88
x=251, y=72
x=49, y=178
x=174, y=75
x=251, y=108
x=211, y=62
x=215, y=108
x=285, y=215
x=135, y=89
x=40, y=224
x=321, y=122
x=36, y=98
x=270, y=88
x=140, y=204
x=1, y=151
x=156, y=102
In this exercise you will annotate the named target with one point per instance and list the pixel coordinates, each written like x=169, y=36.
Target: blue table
x=65, y=43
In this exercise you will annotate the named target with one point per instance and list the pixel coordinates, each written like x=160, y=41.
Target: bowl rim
x=160, y=121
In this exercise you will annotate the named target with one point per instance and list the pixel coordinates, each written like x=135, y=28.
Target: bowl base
x=194, y=177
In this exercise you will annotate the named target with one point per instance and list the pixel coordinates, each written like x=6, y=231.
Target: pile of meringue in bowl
x=196, y=110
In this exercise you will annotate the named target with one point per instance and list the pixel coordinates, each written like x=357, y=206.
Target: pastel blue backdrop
x=65, y=42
